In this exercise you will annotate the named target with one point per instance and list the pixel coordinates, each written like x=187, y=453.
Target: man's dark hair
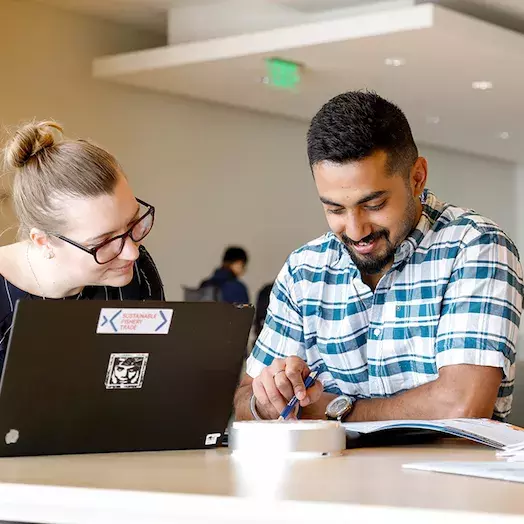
x=354, y=125
x=234, y=254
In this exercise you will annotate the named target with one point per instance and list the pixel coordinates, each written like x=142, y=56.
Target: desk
x=363, y=485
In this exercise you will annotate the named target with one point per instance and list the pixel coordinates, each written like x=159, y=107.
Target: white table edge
x=67, y=505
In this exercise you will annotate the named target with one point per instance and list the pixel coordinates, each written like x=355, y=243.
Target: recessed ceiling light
x=395, y=62
x=432, y=119
x=482, y=85
x=504, y=135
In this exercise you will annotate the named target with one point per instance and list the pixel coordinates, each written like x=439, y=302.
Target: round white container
x=299, y=438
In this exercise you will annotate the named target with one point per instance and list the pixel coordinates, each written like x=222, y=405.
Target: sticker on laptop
x=212, y=439
x=12, y=436
x=131, y=321
x=126, y=370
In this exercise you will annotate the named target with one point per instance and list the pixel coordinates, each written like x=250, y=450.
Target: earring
x=49, y=255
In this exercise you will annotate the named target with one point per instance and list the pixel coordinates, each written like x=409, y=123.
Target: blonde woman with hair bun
x=81, y=227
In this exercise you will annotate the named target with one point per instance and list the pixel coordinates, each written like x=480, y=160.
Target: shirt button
x=377, y=332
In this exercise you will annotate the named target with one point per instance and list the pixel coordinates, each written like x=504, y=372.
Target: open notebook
x=484, y=431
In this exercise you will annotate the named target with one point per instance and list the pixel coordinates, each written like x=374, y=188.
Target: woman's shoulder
x=11, y=257
x=9, y=272
x=147, y=277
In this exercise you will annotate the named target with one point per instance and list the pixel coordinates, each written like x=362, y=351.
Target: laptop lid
x=96, y=376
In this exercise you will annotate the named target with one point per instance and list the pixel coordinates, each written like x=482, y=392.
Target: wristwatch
x=339, y=408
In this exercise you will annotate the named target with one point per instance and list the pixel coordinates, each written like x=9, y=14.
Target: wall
x=516, y=203
x=480, y=183
x=217, y=175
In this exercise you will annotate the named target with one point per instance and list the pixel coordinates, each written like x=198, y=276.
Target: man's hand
x=277, y=384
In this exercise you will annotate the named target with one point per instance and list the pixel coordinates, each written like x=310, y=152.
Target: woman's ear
x=41, y=242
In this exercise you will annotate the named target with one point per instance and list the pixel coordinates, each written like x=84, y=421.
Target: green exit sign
x=282, y=73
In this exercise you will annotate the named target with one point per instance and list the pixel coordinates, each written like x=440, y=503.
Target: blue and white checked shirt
x=453, y=296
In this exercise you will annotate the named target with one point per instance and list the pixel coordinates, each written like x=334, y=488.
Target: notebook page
x=371, y=427
x=486, y=429
x=503, y=434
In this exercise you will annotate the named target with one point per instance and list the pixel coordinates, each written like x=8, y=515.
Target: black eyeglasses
x=112, y=247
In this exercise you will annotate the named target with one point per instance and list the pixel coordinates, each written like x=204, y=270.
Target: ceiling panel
x=151, y=14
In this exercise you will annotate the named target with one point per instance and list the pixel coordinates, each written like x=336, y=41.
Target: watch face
x=338, y=406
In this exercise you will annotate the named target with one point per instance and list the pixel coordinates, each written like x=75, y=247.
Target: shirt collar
x=408, y=247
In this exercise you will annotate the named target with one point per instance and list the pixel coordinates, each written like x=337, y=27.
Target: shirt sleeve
x=482, y=305
x=283, y=332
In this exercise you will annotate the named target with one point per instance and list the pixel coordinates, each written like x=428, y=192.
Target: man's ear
x=419, y=176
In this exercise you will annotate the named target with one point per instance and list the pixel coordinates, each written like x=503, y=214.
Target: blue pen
x=310, y=380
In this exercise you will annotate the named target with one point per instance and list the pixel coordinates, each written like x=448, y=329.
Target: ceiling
x=151, y=14
x=444, y=51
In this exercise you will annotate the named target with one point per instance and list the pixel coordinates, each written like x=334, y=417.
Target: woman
x=81, y=227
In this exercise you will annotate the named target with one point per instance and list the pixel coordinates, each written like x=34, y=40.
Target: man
x=409, y=308
x=226, y=278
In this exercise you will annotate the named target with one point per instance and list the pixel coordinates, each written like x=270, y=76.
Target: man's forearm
x=460, y=391
x=429, y=401
x=434, y=400
x=418, y=403
x=242, y=400
x=424, y=402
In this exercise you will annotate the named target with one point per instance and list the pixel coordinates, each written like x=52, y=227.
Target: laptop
x=96, y=377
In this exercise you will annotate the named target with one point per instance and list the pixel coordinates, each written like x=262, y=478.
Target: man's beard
x=374, y=264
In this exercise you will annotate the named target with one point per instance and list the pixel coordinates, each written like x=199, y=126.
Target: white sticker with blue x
x=134, y=321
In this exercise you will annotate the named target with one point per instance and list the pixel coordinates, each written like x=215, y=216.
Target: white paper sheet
x=511, y=471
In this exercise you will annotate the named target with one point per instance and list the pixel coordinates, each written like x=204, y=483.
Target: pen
x=310, y=380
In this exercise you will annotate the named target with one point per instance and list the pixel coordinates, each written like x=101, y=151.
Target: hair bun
x=29, y=140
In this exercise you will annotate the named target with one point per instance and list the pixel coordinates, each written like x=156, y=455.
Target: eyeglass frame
x=93, y=250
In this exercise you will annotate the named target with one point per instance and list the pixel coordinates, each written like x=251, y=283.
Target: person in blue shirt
x=226, y=279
